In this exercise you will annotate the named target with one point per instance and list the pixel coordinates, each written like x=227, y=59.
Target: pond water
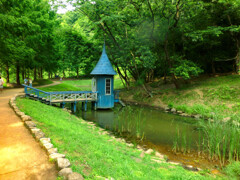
x=173, y=135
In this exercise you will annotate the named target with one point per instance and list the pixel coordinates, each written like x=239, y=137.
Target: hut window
x=108, y=86
x=94, y=84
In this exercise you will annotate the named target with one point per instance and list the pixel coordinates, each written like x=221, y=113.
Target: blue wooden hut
x=103, y=82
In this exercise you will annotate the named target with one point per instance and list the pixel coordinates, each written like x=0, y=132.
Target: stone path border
x=62, y=163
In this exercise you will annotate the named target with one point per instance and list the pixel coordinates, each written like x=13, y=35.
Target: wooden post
x=74, y=107
x=63, y=105
x=85, y=106
x=95, y=105
x=82, y=106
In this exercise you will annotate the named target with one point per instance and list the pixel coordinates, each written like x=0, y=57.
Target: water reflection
x=152, y=125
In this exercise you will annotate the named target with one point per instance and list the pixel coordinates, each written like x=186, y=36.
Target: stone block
x=52, y=150
x=48, y=146
x=34, y=130
x=39, y=135
x=26, y=118
x=75, y=176
x=65, y=172
x=149, y=151
x=56, y=155
x=45, y=140
x=159, y=155
x=63, y=163
x=30, y=124
x=19, y=113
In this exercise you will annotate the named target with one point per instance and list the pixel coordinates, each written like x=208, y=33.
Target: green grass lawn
x=79, y=85
x=93, y=154
x=40, y=82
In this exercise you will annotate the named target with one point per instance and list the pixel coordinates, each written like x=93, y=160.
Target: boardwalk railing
x=60, y=96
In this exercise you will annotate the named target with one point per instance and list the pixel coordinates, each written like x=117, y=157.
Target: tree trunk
x=123, y=77
x=35, y=73
x=165, y=78
x=17, y=73
x=64, y=73
x=7, y=72
x=238, y=56
x=235, y=37
x=39, y=73
x=77, y=69
x=213, y=68
x=48, y=75
x=174, y=79
x=23, y=74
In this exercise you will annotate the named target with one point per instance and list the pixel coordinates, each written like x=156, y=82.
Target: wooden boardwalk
x=62, y=97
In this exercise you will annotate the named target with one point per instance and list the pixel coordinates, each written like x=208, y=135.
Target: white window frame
x=106, y=86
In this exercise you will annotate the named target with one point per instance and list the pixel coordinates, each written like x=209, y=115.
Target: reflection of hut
x=105, y=118
x=103, y=81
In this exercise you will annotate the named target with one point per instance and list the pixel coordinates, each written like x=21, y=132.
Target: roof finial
x=104, y=48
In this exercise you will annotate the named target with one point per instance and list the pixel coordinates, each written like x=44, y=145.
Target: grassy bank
x=40, y=82
x=215, y=97
x=78, y=85
x=92, y=154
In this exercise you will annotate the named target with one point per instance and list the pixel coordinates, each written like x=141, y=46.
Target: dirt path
x=21, y=157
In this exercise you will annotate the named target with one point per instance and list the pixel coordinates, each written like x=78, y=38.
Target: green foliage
x=233, y=170
x=185, y=68
x=26, y=39
x=140, y=37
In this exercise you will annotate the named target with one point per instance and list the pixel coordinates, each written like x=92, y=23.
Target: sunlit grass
x=94, y=155
x=78, y=85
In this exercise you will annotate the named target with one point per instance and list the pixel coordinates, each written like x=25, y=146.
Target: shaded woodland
x=145, y=39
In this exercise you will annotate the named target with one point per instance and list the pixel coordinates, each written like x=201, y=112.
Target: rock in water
x=149, y=151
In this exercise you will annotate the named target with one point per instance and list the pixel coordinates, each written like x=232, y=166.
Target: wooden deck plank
x=72, y=100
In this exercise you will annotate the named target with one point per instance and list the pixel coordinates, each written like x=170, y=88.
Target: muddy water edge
x=177, y=137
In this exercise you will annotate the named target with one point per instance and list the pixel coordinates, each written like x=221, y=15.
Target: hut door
x=94, y=85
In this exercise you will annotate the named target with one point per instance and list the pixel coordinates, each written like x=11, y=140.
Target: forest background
x=145, y=39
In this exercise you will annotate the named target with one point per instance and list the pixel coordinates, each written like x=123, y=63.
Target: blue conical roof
x=104, y=66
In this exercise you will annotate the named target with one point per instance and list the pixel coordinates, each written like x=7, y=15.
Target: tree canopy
x=146, y=39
